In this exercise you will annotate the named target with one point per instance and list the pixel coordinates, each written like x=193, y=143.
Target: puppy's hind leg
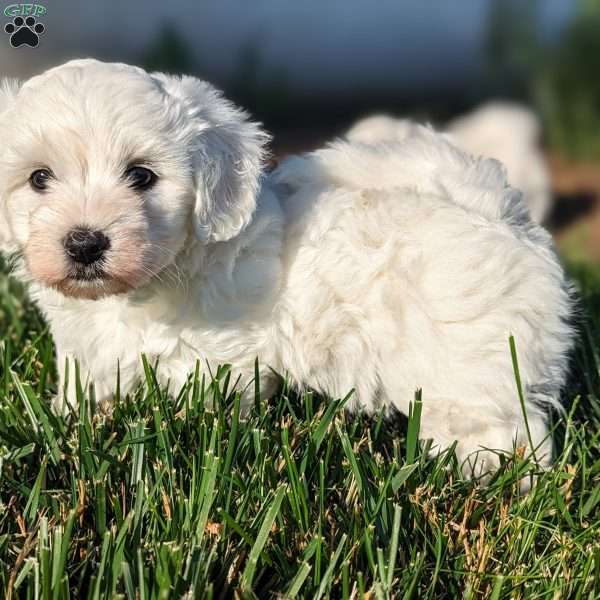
x=483, y=438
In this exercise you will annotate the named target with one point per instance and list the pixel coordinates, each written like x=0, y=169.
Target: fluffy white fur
x=384, y=268
x=507, y=132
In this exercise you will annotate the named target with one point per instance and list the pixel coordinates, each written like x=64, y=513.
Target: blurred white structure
x=377, y=128
x=507, y=132
x=511, y=134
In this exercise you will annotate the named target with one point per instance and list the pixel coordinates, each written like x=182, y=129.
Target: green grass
x=176, y=497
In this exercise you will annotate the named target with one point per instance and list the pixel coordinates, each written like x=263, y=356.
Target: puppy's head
x=108, y=172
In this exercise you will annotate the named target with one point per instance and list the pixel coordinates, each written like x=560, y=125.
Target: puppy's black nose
x=85, y=246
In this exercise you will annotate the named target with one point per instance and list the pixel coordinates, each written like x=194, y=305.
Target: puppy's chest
x=107, y=335
x=110, y=335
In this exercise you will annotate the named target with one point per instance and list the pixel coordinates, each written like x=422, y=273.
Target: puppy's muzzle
x=84, y=246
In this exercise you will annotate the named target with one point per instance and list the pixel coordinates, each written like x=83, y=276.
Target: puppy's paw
x=484, y=441
x=62, y=406
x=105, y=406
x=480, y=452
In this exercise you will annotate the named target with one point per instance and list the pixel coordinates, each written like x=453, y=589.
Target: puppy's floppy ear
x=227, y=153
x=8, y=93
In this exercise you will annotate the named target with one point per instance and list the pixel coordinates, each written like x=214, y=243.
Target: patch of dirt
x=575, y=218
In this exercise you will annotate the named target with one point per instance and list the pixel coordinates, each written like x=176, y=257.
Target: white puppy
x=507, y=132
x=137, y=205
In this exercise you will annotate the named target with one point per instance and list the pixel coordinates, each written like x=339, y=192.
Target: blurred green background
x=547, y=61
x=309, y=70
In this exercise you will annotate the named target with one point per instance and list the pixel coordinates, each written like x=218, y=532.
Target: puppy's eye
x=39, y=179
x=140, y=178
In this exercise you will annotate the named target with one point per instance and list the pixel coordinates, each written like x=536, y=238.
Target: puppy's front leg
x=70, y=371
x=66, y=395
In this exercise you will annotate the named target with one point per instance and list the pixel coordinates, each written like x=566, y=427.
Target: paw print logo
x=24, y=32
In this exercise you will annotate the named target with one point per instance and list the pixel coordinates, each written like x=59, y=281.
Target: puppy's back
x=424, y=162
